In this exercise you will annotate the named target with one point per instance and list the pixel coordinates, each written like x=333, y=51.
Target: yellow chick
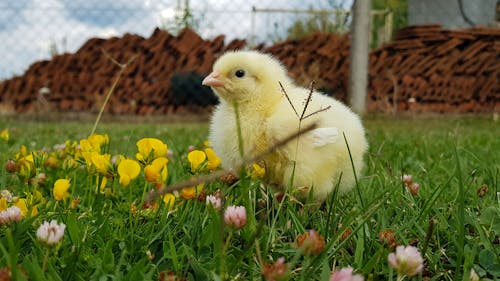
x=252, y=81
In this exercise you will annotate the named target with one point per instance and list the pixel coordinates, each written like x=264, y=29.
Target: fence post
x=358, y=76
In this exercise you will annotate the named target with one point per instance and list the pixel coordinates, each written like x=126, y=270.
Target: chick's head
x=245, y=76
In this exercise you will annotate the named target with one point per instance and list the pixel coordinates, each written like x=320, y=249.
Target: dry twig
x=122, y=67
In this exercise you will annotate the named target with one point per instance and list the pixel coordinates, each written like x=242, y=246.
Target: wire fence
x=33, y=30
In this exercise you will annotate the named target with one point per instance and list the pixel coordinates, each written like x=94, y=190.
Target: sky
x=29, y=28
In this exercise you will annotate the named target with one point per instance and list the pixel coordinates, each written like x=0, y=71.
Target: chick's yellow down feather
x=252, y=81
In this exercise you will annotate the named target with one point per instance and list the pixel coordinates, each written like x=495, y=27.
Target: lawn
x=111, y=233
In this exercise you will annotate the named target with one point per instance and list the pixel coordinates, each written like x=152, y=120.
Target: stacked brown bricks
x=81, y=81
x=428, y=68
x=425, y=69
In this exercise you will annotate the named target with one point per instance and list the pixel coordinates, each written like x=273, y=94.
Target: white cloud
x=50, y=22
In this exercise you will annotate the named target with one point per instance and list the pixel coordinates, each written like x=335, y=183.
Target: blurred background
x=425, y=55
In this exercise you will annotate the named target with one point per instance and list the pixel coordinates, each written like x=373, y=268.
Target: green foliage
x=340, y=22
x=106, y=240
x=399, y=11
x=181, y=18
x=318, y=22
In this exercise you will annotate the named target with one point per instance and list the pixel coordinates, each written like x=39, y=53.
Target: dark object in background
x=187, y=90
x=497, y=15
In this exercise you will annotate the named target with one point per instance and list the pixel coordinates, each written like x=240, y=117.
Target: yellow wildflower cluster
x=62, y=165
x=200, y=161
x=203, y=160
x=90, y=152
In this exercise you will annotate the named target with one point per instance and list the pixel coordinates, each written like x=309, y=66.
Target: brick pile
x=80, y=81
x=426, y=68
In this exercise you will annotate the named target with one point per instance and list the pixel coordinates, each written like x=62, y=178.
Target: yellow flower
x=190, y=192
x=86, y=146
x=157, y=171
x=101, y=162
x=195, y=158
x=213, y=160
x=23, y=151
x=4, y=135
x=85, y=152
x=3, y=204
x=61, y=187
x=104, y=182
x=150, y=148
x=34, y=211
x=97, y=141
x=128, y=170
x=90, y=145
x=169, y=200
x=258, y=171
x=21, y=204
x=26, y=167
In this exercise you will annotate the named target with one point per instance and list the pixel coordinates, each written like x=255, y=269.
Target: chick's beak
x=213, y=80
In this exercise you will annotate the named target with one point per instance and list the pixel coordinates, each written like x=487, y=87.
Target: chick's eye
x=239, y=73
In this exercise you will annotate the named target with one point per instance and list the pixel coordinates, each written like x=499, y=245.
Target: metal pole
x=360, y=34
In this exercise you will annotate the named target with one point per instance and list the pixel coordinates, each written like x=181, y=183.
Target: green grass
x=453, y=227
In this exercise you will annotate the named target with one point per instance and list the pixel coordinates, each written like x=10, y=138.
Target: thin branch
x=288, y=98
x=112, y=89
x=194, y=181
x=308, y=100
x=152, y=195
x=317, y=111
x=306, y=104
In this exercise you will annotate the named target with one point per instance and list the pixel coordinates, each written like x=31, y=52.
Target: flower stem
x=224, y=249
x=45, y=259
x=228, y=239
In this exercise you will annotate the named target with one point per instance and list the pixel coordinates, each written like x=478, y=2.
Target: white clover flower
x=406, y=261
x=235, y=216
x=7, y=195
x=414, y=188
x=345, y=274
x=60, y=146
x=214, y=201
x=51, y=233
x=10, y=214
x=407, y=179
